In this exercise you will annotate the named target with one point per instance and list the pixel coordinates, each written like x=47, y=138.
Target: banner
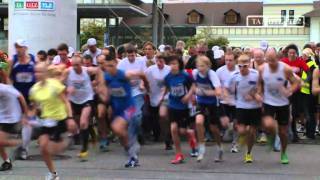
x=44, y=24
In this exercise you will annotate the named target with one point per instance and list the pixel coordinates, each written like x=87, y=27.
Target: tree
x=205, y=34
x=92, y=30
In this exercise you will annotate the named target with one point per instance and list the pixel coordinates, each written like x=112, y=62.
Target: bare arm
x=24, y=108
x=140, y=75
x=72, y=127
x=315, y=82
x=294, y=81
x=64, y=75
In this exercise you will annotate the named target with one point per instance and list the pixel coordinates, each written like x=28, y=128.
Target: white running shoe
x=234, y=149
x=52, y=176
x=219, y=156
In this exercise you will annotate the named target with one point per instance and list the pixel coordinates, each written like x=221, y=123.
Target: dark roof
x=231, y=10
x=213, y=13
x=193, y=10
x=314, y=13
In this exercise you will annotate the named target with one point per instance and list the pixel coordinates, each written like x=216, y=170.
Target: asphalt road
x=154, y=160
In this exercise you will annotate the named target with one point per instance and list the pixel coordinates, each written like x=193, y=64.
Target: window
x=194, y=17
x=283, y=15
x=231, y=17
x=291, y=16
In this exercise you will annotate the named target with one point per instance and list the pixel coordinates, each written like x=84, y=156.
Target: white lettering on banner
x=275, y=21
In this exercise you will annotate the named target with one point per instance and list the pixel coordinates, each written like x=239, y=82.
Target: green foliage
x=206, y=36
x=92, y=30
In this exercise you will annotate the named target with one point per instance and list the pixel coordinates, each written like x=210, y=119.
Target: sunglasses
x=243, y=65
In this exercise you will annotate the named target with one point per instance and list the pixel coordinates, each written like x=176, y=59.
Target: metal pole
x=161, y=26
x=155, y=20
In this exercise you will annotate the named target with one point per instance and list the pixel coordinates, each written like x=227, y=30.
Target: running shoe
x=284, y=158
x=6, y=166
x=104, y=143
x=23, y=154
x=83, y=155
x=178, y=159
x=248, y=158
x=262, y=139
x=194, y=153
x=234, y=149
x=52, y=176
x=317, y=131
x=132, y=162
x=219, y=156
x=168, y=146
x=301, y=129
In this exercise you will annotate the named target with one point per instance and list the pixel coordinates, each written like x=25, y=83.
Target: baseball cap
x=21, y=43
x=92, y=42
x=264, y=45
x=161, y=47
x=71, y=52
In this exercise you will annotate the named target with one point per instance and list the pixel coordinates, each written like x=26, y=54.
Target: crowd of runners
x=130, y=95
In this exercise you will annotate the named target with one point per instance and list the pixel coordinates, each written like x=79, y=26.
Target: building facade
x=86, y=9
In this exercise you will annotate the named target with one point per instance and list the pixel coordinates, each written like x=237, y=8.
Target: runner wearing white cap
x=93, y=51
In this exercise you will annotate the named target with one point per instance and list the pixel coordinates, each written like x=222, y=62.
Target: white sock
x=219, y=148
x=202, y=148
x=26, y=136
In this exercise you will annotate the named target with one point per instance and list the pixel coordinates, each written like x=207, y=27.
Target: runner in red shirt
x=298, y=65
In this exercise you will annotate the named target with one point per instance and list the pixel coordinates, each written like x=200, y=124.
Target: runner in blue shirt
x=179, y=85
x=122, y=104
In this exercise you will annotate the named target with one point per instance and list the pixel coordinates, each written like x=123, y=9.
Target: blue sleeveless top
x=23, y=75
x=120, y=91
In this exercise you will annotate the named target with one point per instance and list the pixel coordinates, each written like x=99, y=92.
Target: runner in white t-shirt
x=134, y=63
x=158, y=111
x=13, y=109
x=244, y=84
x=227, y=103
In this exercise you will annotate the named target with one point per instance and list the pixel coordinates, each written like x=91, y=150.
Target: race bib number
x=78, y=84
x=24, y=77
x=118, y=92
x=274, y=92
x=178, y=90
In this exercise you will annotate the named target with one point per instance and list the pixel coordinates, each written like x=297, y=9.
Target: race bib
x=274, y=92
x=118, y=92
x=78, y=84
x=24, y=77
x=178, y=90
